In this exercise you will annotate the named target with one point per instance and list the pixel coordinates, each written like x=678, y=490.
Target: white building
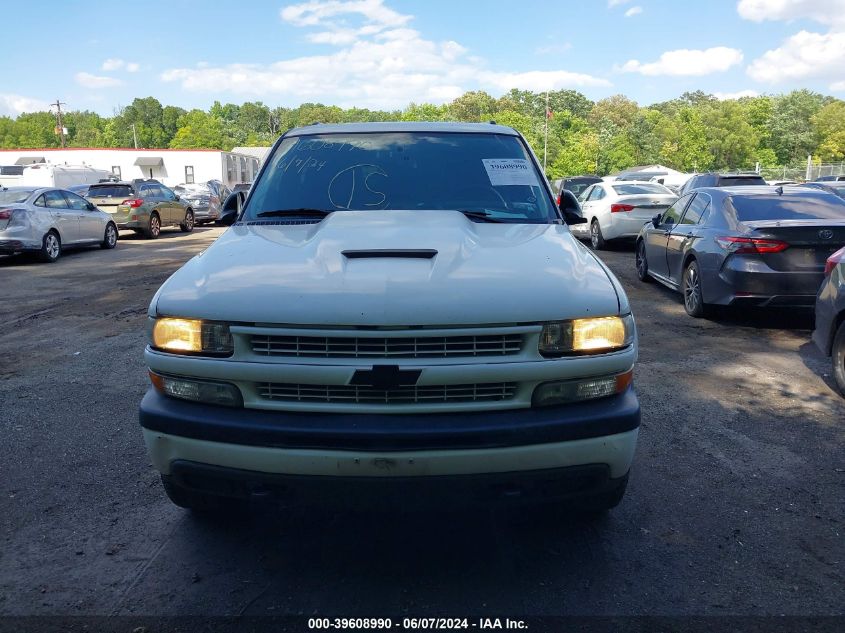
x=169, y=166
x=257, y=152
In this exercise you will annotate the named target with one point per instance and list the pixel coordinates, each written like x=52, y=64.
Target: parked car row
x=754, y=246
x=46, y=220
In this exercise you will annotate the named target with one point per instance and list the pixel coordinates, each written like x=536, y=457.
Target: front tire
x=153, y=230
x=642, y=263
x=188, y=225
x=110, y=237
x=51, y=248
x=838, y=354
x=691, y=288
x=596, y=238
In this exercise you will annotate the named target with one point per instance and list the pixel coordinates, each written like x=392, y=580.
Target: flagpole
x=546, y=133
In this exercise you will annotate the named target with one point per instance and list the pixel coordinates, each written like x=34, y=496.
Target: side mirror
x=231, y=209
x=91, y=206
x=176, y=197
x=655, y=221
x=570, y=208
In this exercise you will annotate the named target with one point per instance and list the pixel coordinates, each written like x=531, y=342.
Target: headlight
x=204, y=391
x=192, y=336
x=567, y=391
x=584, y=336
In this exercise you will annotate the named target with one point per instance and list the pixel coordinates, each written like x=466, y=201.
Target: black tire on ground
x=51, y=247
x=642, y=262
x=153, y=229
x=198, y=501
x=188, y=225
x=838, y=354
x=110, y=236
x=691, y=289
x=596, y=238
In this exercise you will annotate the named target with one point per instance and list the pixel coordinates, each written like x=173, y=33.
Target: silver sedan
x=45, y=221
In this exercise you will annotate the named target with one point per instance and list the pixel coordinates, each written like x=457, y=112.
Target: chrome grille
x=346, y=394
x=385, y=347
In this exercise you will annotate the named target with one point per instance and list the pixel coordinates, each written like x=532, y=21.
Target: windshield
x=12, y=196
x=627, y=190
x=109, y=191
x=489, y=173
x=803, y=207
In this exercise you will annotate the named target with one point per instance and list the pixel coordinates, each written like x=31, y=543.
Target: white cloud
x=726, y=96
x=824, y=11
x=379, y=62
x=94, y=81
x=633, y=11
x=687, y=63
x=13, y=105
x=616, y=3
x=803, y=55
x=114, y=63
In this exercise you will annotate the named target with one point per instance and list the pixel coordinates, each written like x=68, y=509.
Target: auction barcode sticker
x=509, y=171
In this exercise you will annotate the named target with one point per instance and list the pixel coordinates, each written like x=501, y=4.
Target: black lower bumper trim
x=558, y=483
x=487, y=429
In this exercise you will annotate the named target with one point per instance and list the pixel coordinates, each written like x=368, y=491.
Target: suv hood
x=482, y=273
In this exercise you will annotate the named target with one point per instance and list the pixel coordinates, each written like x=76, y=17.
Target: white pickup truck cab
x=398, y=307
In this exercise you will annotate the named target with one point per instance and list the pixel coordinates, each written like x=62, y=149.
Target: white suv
x=399, y=306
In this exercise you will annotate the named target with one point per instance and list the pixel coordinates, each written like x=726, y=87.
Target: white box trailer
x=169, y=166
x=61, y=176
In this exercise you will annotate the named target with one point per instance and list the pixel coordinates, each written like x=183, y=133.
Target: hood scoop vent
x=391, y=253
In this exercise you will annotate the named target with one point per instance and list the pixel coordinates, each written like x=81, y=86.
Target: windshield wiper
x=314, y=213
x=483, y=216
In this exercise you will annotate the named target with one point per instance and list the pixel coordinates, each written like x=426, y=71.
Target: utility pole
x=60, y=128
x=134, y=136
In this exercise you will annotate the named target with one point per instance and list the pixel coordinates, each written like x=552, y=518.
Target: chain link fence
x=799, y=172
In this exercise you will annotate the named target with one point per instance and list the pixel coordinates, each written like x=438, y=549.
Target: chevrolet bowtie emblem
x=385, y=377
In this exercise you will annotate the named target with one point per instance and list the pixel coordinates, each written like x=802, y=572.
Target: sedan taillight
x=621, y=208
x=837, y=258
x=751, y=244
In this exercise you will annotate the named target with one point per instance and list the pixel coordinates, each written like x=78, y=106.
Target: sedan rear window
x=109, y=191
x=15, y=196
x=633, y=189
x=741, y=181
x=492, y=174
x=800, y=207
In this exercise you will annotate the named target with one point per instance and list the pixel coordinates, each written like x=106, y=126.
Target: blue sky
x=387, y=53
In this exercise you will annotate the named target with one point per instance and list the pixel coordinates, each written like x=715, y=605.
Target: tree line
x=695, y=132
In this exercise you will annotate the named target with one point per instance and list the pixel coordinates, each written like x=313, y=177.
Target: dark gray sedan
x=829, y=334
x=753, y=245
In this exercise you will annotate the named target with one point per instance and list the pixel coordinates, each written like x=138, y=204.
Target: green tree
x=200, y=130
x=792, y=134
x=829, y=124
x=472, y=106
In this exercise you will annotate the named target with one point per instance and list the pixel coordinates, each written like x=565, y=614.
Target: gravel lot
x=735, y=504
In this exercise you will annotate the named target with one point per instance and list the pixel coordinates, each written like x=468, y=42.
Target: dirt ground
x=735, y=506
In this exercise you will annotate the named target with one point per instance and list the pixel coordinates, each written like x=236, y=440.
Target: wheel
x=839, y=358
x=642, y=263
x=110, y=237
x=197, y=501
x=154, y=228
x=51, y=248
x=691, y=287
x=188, y=225
x=596, y=238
